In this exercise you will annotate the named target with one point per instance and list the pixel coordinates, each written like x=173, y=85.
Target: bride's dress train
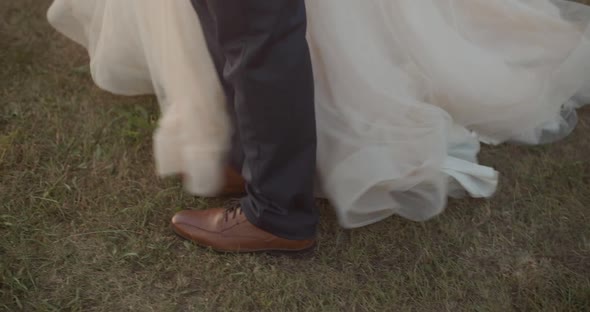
x=405, y=90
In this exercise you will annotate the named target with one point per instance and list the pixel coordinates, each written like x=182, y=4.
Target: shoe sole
x=270, y=251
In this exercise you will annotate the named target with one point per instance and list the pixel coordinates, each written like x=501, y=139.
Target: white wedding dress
x=405, y=90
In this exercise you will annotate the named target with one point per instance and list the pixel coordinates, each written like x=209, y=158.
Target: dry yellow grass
x=84, y=220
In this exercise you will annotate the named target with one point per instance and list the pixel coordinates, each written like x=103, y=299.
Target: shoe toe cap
x=185, y=217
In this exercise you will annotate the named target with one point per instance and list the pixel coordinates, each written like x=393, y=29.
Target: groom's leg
x=236, y=156
x=268, y=65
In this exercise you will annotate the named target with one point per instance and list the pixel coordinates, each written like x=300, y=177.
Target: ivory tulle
x=405, y=90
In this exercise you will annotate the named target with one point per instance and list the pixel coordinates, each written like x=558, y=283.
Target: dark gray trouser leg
x=236, y=156
x=266, y=64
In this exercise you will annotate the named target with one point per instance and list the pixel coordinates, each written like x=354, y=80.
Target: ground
x=84, y=219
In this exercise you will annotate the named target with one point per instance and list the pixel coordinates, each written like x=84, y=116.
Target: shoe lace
x=233, y=211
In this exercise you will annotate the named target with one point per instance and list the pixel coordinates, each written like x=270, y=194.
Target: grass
x=84, y=219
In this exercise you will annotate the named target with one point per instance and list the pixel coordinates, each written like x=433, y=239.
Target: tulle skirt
x=405, y=90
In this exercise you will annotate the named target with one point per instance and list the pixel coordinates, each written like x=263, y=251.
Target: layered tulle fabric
x=152, y=46
x=405, y=90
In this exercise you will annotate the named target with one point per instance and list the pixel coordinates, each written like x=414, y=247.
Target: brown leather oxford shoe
x=228, y=230
x=235, y=186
